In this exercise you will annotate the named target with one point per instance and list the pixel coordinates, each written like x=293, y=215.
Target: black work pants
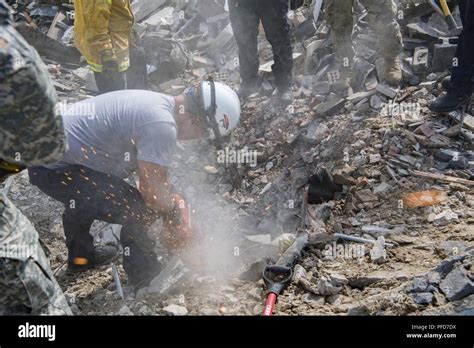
x=137, y=77
x=89, y=195
x=462, y=79
x=245, y=16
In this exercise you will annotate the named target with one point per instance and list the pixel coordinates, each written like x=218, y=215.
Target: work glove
x=177, y=234
x=174, y=217
x=110, y=67
x=109, y=63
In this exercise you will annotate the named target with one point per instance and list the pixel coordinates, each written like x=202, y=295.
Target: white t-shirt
x=113, y=131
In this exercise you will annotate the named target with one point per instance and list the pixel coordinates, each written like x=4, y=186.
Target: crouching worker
x=110, y=137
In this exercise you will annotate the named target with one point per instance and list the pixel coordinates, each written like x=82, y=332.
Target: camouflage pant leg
x=383, y=18
x=29, y=288
x=339, y=16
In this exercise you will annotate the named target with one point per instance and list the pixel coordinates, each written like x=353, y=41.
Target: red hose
x=270, y=305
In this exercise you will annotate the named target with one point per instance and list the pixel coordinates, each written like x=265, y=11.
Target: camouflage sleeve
x=27, y=284
x=31, y=132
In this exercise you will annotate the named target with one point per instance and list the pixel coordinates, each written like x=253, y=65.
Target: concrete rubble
x=398, y=177
x=176, y=310
x=450, y=279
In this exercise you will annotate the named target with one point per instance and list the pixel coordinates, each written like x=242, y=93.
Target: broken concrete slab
x=358, y=311
x=462, y=307
x=375, y=158
x=377, y=231
x=362, y=69
x=425, y=129
x=109, y=234
x=444, y=218
x=447, y=265
x=81, y=73
x=166, y=86
x=378, y=254
x=322, y=88
x=376, y=102
x=457, y=284
x=326, y=288
x=209, y=312
x=176, y=310
x=223, y=44
x=143, y=9
x=125, y=311
x=210, y=8
x=418, y=284
x=366, y=196
x=48, y=47
x=468, y=120
x=314, y=299
x=317, y=131
x=332, y=104
x=202, y=62
x=424, y=31
x=171, y=277
x=362, y=281
x=386, y=90
x=161, y=18
x=260, y=238
x=338, y=279
x=420, y=60
x=342, y=177
x=383, y=187
x=55, y=32
x=91, y=85
x=357, y=97
x=423, y=298
x=443, y=55
x=451, y=248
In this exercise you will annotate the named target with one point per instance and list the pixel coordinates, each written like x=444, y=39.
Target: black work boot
x=247, y=88
x=285, y=95
x=449, y=102
x=102, y=256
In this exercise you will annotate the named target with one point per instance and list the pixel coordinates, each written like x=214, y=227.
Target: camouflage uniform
x=381, y=15
x=30, y=134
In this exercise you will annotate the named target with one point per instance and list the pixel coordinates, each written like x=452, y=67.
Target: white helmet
x=221, y=107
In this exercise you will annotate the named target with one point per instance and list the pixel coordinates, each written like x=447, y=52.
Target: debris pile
x=391, y=210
